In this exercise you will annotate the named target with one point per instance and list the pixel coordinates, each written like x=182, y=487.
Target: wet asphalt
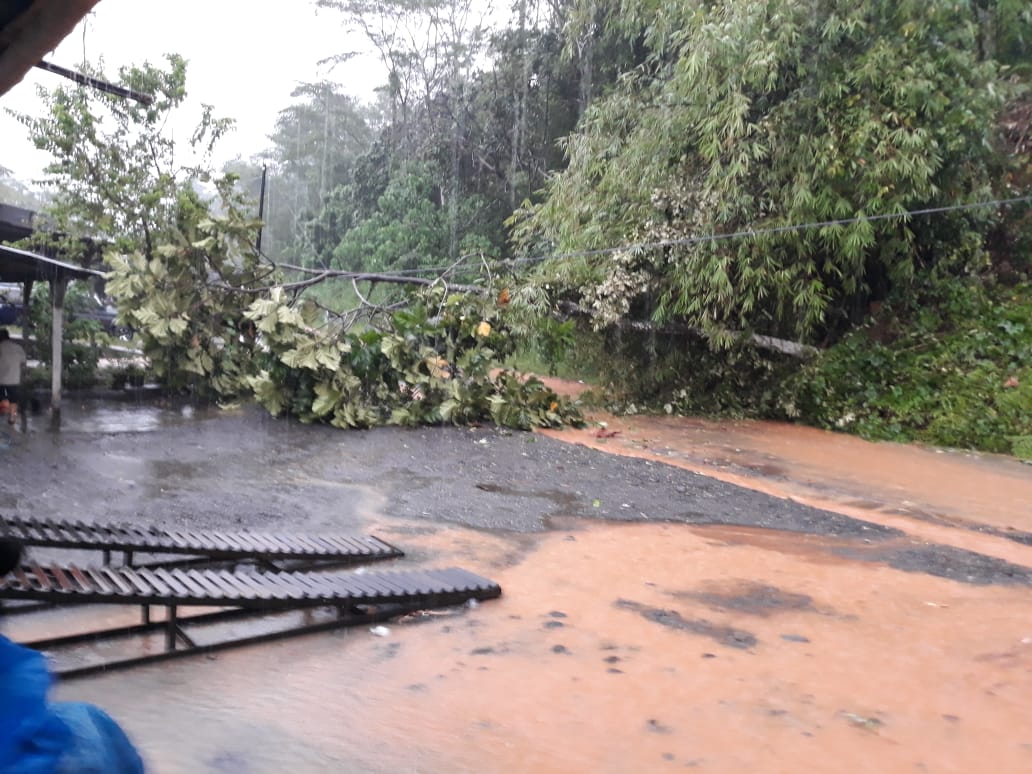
x=179, y=465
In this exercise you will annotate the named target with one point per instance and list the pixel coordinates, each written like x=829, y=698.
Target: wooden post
x=26, y=297
x=57, y=295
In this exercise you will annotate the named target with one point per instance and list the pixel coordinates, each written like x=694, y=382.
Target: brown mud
x=809, y=602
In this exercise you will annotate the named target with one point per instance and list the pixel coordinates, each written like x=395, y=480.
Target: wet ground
x=723, y=597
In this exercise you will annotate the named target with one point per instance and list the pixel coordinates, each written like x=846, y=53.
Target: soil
x=676, y=593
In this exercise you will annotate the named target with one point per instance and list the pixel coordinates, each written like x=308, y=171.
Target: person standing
x=12, y=360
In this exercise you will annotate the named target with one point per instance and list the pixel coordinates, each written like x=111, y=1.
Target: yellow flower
x=484, y=329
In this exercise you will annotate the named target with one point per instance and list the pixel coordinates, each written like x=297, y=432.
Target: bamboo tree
x=752, y=116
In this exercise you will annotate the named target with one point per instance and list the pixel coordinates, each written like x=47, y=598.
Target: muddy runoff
x=651, y=617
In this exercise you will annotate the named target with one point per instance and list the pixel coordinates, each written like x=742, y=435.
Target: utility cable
x=743, y=234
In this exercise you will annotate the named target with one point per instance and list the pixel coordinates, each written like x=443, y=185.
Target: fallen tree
x=217, y=319
x=771, y=343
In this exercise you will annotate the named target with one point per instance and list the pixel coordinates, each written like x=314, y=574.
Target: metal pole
x=170, y=629
x=96, y=83
x=261, y=209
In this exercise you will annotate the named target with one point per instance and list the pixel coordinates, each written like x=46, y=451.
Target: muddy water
x=620, y=648
x=937, y=485
x=646, y=647
x=640, y=647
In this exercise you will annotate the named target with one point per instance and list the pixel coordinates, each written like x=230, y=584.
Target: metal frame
x=179, y=643
x=352, y=598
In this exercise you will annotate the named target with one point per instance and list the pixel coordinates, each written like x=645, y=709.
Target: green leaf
x=326, y=400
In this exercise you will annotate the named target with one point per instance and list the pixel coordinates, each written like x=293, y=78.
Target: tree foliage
x=465, y=126
x=115, y=172
x=955, y=366
x=671, y=156
x=758, y=117
x=176, y=252
x=431, y=364
x=215, y=317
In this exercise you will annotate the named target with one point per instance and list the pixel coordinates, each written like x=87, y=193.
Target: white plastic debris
x=380, y=631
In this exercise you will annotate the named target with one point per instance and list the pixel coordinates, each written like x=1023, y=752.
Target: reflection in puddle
x=111, y=417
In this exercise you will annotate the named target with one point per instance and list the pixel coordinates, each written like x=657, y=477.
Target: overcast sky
x=245, y=57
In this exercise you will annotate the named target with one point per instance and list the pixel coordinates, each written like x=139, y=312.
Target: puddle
x=94, y=415
x=748, y=597
x=722, y=635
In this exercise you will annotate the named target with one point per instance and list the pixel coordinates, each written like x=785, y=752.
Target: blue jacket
x=37, y=737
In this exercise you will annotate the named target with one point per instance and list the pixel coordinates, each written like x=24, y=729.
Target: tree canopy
x=700, y=192
x=217, y=318
x=760, y=118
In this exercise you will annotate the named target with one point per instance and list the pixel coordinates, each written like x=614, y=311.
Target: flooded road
x=936, y=485
x=828, y=616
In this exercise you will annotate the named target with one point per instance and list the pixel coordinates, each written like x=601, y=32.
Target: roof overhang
x=31, y=28
x=22, y=266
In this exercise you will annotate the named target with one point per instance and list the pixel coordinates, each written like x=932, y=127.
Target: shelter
x=28, y=30
x=28, y=268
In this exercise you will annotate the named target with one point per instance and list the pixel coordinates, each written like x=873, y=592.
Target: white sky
x=245, y=57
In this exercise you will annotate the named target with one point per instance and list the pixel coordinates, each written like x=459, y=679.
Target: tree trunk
x=586, y=48
x=791, y=348
x=520, y=100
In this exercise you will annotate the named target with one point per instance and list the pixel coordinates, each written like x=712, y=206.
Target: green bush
x=951, y=365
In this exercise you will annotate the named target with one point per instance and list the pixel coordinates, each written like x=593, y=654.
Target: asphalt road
x=243, y=469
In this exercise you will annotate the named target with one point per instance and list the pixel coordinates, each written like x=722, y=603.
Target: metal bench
x=351, y=598
x=131, y=539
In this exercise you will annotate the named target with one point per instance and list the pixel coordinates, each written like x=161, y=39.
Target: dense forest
x=790, y=208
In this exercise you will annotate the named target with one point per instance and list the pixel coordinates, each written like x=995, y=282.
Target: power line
x=992, y=203
x=745, y=234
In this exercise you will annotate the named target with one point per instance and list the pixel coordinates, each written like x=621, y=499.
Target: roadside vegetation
x=950, y=366
x=814, y=211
